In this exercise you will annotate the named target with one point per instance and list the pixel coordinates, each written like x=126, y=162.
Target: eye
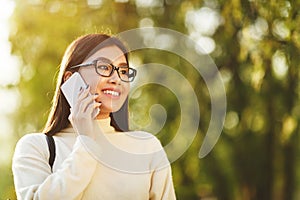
x=103, y=67
x=124, y=70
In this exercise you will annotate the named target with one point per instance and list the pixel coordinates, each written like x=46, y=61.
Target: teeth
x=114, y=93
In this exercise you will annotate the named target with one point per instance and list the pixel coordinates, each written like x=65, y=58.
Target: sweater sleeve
x=162, y=185
x=32, y=174
x=161, y=181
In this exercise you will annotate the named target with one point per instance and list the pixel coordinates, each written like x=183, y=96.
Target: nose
x=114, y=78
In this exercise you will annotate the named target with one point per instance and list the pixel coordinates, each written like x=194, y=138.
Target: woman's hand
x=81, y=114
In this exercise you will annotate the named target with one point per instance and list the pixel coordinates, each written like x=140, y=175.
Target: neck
x=105, y=126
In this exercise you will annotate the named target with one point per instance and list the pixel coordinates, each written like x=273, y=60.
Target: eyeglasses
x=106, y=69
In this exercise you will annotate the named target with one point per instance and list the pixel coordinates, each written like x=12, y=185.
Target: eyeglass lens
x=106, y=69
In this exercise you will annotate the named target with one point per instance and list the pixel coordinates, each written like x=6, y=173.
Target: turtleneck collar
x=105, y=126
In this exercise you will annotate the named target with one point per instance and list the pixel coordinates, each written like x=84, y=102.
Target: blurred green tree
x=256, y=49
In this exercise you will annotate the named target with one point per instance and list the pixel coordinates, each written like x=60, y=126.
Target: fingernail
x=80, y=88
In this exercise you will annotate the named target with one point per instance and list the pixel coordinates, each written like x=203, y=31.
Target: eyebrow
x=110, y=62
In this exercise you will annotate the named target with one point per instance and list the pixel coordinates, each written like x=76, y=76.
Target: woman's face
x=112, y=91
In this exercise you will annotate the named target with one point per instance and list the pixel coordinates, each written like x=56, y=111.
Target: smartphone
x=71, y=89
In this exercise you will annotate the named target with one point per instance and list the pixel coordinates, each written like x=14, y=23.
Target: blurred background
x=255, y=45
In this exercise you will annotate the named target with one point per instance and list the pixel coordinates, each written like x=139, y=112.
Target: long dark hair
x=76, y=53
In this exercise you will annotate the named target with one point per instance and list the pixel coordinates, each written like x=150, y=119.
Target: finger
x=83, y=93
x=85, y=103
x=90, y=109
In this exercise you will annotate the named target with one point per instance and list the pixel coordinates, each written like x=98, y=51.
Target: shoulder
x=31, y=143
x=142, y=135
x=32, y=138
x=151, y=145
x=146, y=139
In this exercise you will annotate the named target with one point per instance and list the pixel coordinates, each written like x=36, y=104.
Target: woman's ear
x=67, y=75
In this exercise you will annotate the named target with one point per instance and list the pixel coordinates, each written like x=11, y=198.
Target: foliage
x=257, y=47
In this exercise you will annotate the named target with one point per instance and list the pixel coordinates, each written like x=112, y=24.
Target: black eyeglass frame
x=94, y=63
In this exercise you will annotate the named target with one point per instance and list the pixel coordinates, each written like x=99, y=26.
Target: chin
x=116, y=110
x=111, y=109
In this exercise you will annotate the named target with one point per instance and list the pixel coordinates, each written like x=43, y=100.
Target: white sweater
x=130, y=165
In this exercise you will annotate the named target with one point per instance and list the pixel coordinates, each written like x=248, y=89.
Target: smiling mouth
x=113, y=93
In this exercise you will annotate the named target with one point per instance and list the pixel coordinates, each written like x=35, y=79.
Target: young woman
x=94, y=158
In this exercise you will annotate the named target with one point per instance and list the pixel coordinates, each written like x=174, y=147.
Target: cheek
x=90, y=78
x=94, y=83
x=126, y=90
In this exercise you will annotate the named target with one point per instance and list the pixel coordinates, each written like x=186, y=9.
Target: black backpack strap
x=51, y=146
